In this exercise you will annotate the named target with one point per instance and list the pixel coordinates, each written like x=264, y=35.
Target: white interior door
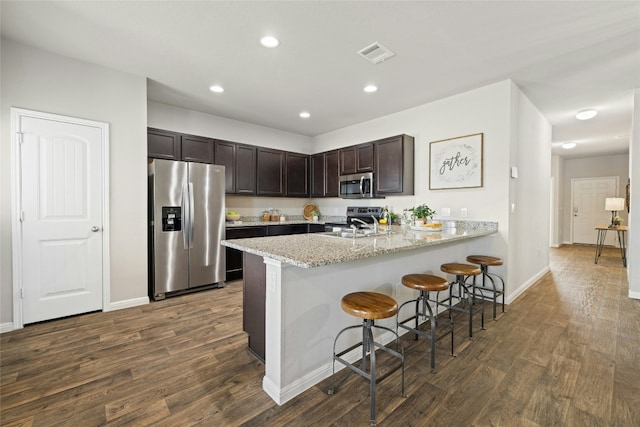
x=61, y=216
x=588, y=197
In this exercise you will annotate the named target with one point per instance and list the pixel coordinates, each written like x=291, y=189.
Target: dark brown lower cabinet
x=253, y=306
x=254, y=271
x=234, y=265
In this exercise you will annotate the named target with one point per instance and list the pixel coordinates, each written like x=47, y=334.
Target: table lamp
x=613, y=204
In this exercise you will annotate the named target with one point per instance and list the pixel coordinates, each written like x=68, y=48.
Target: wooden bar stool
x=483, y=291
x=369, y=306
x=465, y=295
x=424, y=283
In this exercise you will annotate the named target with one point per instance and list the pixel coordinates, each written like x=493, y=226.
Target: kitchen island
x=306, y=276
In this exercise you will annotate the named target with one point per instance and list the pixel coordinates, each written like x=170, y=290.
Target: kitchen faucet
x=373, y=226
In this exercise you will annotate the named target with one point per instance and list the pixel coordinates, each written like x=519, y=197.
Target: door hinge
x=21, y=216
x=21, y=293
x=19, y=137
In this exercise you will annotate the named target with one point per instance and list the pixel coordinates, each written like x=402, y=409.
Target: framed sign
x=456, y=162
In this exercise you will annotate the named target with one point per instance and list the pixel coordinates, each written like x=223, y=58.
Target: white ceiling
x=565, y=56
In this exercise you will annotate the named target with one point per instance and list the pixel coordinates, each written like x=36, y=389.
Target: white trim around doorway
x=16, y=241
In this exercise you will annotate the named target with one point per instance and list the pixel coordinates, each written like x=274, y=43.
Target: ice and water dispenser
x=171, y=218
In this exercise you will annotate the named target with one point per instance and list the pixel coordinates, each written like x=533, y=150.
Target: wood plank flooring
x=566, y=353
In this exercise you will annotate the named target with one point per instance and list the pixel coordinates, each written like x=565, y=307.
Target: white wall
x=591, y=167
x=633, y=253
x=529, y=205
x=169, y=117
x=481, y=110
x=557, y=227
x=513, y=130
x=178, y=119
x=42, y=81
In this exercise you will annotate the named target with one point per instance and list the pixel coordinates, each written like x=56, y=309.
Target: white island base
x=303, y=312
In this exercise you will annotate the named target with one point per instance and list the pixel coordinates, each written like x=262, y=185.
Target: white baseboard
x=283, y=395
x=119, y=305
x=527, y=284
x=634, y=295
x=6, y=327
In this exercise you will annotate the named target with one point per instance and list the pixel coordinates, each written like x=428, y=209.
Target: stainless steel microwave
x=357, y=186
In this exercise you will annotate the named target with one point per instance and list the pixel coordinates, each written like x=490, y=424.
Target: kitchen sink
x=349, y=233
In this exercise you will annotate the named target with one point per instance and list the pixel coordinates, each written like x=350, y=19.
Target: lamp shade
x=614, y=204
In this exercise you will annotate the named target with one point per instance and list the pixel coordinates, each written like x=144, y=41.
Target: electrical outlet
x=463, y=212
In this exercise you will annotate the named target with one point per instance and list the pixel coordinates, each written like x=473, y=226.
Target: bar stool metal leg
x=352, y=303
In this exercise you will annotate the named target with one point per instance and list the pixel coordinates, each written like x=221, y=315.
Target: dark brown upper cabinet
x=324, y=174
x=225, y=155
x=245, y=173
x=271, y=167
x=239, y=161
x=394, y=159
x=162, y=144
x=356, y=159
x=197, y=149
x=297, y=173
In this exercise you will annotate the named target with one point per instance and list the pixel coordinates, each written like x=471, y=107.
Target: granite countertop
x=318, y=249
x=267, y=223
x=291, y=220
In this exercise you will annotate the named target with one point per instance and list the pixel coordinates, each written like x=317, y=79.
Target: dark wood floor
x=566, y=353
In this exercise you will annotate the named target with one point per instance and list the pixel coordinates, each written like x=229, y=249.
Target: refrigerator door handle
x=191, y=214
x=186, y=215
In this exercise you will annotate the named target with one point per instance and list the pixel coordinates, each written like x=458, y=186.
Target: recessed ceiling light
x=305, y=115
x=586, y=114
x=568, y=145
x=370, y=88
x=269, y=41
x=216, y=89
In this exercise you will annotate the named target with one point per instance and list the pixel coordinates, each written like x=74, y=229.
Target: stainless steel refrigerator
x=187, y=223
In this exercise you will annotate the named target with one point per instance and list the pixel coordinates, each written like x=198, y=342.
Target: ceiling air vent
x=376, y=53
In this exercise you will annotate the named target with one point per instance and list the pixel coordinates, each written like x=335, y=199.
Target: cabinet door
x=270, y=180
x=356, y=159
x=297, y=173
x=197, y=149
x=394, y=165
x=162, y=144
x=253, y=303
x=331, y=174
x=316, y=228
x=347, y=160
x=318, y=175
x=364, y=157
x=234, y=256
x=286, y=229
x=245, y=173
x=225, y=155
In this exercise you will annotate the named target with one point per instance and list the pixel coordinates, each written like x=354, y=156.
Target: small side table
x=602, y=234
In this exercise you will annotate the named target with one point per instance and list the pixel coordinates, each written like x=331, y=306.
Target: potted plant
x=392, y=218
x=422, y=212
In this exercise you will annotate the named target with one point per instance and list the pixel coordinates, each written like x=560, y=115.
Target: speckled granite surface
x=248, y=221
x=315, y=250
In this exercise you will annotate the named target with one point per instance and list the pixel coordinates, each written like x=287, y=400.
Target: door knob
x=95, y=228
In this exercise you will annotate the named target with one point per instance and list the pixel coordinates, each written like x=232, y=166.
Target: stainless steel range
x=364, y=214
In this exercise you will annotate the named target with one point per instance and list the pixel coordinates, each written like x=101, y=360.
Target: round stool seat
x=460, y=269
x=484, y=260
x=425, y=282
x=369, y=305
